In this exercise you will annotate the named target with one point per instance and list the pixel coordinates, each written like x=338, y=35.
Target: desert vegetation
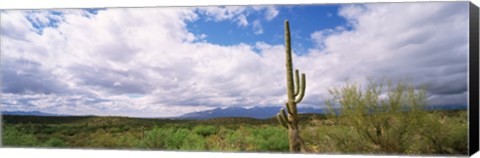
x=440, y=132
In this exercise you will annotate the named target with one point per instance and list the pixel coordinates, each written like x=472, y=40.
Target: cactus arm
x=297, y=83
x=302, y=89
x=282, y=118
x=284, y=115
x=281, y=121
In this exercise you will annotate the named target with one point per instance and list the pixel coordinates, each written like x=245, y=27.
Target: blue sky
x=163, y=62
x=304, y=20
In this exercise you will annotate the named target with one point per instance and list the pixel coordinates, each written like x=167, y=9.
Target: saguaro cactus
x=295, y=93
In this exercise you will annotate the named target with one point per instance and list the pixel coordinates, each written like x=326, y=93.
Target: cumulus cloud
x=119, y=53
x=242, y=20
x=239, y=14
x=271, y=12
x=257, y=27
x=145, y=62
x=400, y=41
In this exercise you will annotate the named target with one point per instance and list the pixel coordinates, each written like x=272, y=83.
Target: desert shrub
x=373, y=123
x=166, y=138
x=193, y=142
x=128, y=140
x=205, y=130
x=269, y=138
x=54, y=142
x=154, y=139
x=317, y=140
x=218, y=142
x=48, y=130
x=11, y=136
x=445, y=135
x=239, y=139
x=246, y=138
x=102, y=139
x=69, y=130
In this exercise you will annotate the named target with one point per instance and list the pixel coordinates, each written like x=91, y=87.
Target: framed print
x=379, y=78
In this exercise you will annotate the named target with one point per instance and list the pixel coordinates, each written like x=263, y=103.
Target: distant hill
x=447, y=107
x=269, y=112
x=255, y=112
x=29, y=113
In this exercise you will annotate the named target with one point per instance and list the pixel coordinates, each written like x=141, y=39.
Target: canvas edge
x=473, y=79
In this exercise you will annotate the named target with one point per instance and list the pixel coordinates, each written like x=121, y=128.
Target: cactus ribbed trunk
x=295, y=93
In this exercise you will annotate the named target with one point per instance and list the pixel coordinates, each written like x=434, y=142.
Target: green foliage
x=381, y=125
x=102, y=139
x=166, y=138
x=446, y=131
x=55, y=142
x=270, y=139
x=392, y=124
x=205, y=130
x=193, y=142
x=11, y=136
x=218, y=141
x=239, y=139
x=445, y=135
x=129, y=141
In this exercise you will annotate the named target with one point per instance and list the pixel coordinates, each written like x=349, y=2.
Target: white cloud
x=223, y=13
x=117, y=52
x=271, y=12
x=238, y=14
x=242, y=20
x=257, y=27
x=398, y=41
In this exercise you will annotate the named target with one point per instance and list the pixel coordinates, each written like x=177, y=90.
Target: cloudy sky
x=163, y=62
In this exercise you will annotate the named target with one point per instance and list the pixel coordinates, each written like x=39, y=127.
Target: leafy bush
x=270, y=138
x=166, y=138
x=54, y=142
x=218, y=142
x=193, y=142
x=205, y=130
x=128, y=140
x=102, y=139
x=445, y=135
x=375, y=124
x=11, y=136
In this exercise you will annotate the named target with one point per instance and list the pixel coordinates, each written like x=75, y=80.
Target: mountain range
x=29, y=113
x=255, y=112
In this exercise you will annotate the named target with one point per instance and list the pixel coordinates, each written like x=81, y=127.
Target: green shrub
x=218, y=142
x=54, y=142
x=270, y=138
x=193, y=142
x=166, y=138
x=445, y=135
x=101, y=139
x=129, y=141
x=11, y=136
x=239, y=139
x=205, y=130
x=374, y=124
